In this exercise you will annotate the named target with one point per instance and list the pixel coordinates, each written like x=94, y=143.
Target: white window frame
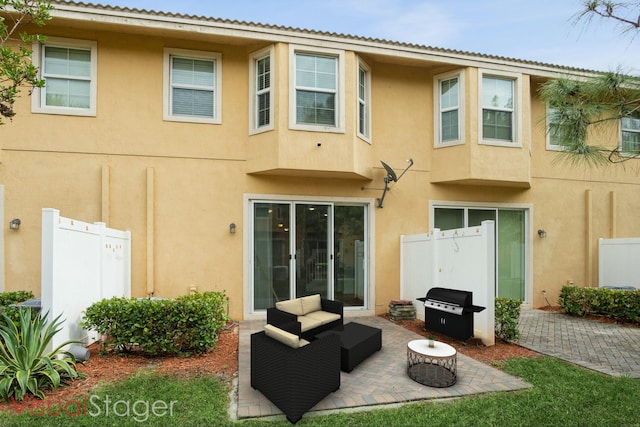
x=217, y=89
x=364, y=103
x=516, y=110
x=550, y=145
x=39, y=94
x=622, y=130
x=340, y=92
x=437, y=110
x=253, y=92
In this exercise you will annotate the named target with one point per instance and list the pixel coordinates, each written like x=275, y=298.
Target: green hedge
x=190, y=323
x=8, y=298
x=613, y=303
x=507, y=314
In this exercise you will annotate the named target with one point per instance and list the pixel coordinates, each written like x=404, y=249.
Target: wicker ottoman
x=357, y=342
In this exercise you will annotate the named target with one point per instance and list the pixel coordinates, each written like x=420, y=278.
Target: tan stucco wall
x=185, y=183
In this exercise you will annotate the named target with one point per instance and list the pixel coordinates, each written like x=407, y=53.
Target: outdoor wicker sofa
x=293, y=373
x=307, y=316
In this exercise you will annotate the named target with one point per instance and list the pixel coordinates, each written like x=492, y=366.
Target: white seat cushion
x=307, y=323
x=323, y=316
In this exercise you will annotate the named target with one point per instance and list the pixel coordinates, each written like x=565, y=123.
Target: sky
x=537, y=30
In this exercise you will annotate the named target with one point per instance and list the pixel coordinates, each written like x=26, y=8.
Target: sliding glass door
x=302, y=248
x=510, y=242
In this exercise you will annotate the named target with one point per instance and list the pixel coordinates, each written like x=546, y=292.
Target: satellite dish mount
x=391, y=177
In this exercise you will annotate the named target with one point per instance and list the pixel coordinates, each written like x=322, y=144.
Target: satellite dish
x=391, y=174
x=391, y=177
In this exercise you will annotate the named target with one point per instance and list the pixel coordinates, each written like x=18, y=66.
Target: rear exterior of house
x=247, y=158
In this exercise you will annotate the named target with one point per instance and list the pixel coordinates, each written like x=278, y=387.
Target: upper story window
x=449, y=117
x=69, y=69
x=630, y=141
x=554, y=137
x=499, y=108
x=261, y=110
x=318, y=90
x=192, y=86
x=364, y=103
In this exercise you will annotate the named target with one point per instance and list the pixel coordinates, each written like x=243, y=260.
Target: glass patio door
x=313, y=258
x=271, y=254
x=510, y=242
x=307, y=248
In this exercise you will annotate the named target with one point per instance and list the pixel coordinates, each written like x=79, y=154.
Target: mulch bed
x=223, y=361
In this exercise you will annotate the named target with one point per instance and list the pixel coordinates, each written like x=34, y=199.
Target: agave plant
x=25, y=364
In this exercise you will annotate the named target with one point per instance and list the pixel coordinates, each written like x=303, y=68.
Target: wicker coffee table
x=357, y=342
x=433, y=366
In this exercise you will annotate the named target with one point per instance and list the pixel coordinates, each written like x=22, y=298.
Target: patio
x=379, y=380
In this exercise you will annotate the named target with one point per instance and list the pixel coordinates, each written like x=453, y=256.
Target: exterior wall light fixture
x=232, y=228
x=542, y=233
x=15, y=224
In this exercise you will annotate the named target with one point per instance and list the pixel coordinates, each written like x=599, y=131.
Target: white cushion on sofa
x=323, y=316
x=287, y=338
x=292, y=306
x=307, y=323
x=311, y=303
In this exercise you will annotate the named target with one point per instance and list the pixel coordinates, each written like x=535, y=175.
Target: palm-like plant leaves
x=25, y=364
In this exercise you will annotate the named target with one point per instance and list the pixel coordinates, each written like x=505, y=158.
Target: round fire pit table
x=433, y=366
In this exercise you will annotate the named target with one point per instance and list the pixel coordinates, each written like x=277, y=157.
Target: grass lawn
x=562, y=395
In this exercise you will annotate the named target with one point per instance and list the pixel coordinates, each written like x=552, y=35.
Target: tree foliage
x=582, y=106
x=627, y=14
x=16, y=68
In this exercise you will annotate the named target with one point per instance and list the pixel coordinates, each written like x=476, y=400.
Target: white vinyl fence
x=619, y=263
x=82, y=263
x=462, y=259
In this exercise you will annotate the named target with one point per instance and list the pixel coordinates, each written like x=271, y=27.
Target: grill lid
x=450, y=300
x=450, y=296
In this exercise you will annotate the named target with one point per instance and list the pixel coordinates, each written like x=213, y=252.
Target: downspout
x=150, y=232
x=589, y=234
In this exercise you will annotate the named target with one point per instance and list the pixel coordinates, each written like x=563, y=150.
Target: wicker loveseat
x=306, y=316
x=293, y=373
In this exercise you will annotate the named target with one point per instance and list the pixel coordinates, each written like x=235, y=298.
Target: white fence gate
x=461, y=259
x=82, y=263
x=619, y=262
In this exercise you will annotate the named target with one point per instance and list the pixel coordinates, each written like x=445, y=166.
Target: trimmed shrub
x=189, y=323
x=8, y=298
x=507, y=314
x=613, y=303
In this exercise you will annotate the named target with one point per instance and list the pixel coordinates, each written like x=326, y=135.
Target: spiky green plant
x=25, y=364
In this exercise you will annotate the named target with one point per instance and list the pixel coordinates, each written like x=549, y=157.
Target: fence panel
x=462, y=259
x=619, y=262
x=82, y=263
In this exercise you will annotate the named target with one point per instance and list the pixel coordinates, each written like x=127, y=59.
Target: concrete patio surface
x=609, y=348
x=379, y=380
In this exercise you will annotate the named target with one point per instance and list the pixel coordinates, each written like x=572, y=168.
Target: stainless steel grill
x=450, y=312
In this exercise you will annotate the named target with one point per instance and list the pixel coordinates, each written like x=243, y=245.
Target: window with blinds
x=497, y=108
x=630, y=143
x=192, y=86
x=449, y=110
x=449, y=113
x=263, y=91
x=316, y=87
x=69, y=69
x=67, y=73
x=364, y=103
